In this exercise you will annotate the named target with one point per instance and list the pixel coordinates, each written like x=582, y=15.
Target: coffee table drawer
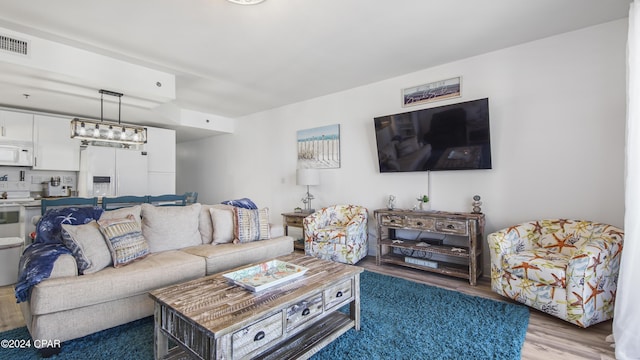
x=338, y=294
x=257, y=335
x=304, y=310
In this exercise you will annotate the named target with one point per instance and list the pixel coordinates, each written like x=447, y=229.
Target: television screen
x=450, y=137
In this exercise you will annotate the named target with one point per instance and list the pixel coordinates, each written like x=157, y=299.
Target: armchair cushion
x=541, y=265
x=333, y=234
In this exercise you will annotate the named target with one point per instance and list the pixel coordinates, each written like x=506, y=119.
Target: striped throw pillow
x=251, y=225
x=124, y=239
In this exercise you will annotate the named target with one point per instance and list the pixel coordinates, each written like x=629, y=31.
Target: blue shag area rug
x=401, y=319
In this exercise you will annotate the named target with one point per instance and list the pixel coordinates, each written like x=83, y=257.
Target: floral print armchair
x=337, y=233
x=567, y=268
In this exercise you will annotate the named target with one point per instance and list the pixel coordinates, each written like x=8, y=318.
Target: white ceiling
x=232, y=60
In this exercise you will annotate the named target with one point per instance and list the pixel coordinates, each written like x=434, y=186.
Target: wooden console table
x=209, y=318
x=415, y=249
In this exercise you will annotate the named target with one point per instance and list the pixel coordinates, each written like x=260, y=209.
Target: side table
x=294, y=219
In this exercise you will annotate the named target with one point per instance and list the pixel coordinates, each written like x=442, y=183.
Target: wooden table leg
x=354, y=308
x=160, y=339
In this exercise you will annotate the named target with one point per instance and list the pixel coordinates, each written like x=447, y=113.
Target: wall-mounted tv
x=450, y=137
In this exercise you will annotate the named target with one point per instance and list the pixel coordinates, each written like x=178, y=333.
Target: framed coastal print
x=434, y=91
x=319, y=148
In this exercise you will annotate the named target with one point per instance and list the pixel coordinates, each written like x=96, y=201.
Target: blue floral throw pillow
x=49, y=227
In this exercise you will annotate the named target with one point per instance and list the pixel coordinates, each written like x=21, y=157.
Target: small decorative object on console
x=424, y=201
x=392, y=202
x=476, y=204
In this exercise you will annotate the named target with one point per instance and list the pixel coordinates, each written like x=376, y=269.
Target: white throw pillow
x=171, y=227
x=206, y=223
x=88, y=246
x=222, y=220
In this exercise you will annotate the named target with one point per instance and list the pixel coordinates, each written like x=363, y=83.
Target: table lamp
x=308, y=177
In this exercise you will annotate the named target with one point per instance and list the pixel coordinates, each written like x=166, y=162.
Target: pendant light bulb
x=123, y=134
x=83, y=130
x=96, y=131
x=110, y=133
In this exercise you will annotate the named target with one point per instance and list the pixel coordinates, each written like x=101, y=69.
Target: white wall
x=557, y=113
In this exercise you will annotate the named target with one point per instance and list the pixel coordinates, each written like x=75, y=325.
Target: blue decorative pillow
x=49, y=227
x=244, y=203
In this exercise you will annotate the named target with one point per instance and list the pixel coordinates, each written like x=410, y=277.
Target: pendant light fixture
x=93, y=130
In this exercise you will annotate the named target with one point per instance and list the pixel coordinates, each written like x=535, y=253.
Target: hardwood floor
x=547, y=337
x=10, y=314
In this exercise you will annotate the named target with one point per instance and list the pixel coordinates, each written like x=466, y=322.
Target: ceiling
x=232, y=60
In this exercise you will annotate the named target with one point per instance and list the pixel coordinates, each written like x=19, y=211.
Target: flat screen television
x=450, y=137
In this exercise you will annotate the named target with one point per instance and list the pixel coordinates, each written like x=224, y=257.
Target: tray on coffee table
x=265, y=275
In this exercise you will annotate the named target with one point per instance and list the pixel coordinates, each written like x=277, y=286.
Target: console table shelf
x=463, y=261
x=435, y=249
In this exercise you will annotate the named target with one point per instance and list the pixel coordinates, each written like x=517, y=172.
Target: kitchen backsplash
x=34, y=179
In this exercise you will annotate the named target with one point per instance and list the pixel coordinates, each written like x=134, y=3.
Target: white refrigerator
x=108, y=171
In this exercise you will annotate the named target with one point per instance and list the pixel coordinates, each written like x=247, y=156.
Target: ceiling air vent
x=14, y=45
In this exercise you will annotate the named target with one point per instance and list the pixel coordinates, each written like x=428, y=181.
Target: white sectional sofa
x=184, y=243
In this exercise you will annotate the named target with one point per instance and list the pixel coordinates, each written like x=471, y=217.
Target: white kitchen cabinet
x=16, y=126
x=54, y=147
x=161, y=149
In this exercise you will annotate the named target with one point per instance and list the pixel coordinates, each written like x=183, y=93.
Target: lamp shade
x=307, y=177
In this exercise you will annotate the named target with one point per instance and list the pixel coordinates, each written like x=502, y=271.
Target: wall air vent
x=14, y=45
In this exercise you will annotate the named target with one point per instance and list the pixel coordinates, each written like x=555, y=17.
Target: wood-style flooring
x=547, y=337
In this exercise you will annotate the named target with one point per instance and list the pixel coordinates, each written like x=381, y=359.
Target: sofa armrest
x=596, y=263
x=503, y=242
x=65, y=265
x=316, y=220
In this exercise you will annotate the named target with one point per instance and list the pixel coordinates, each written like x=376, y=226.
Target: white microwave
x=16, y=153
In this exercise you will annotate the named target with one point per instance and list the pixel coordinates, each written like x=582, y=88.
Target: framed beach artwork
x=319, y=148
x=434, y=91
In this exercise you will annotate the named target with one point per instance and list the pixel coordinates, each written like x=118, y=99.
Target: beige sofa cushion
x=223, y=257
x=171, y=227
x=65, y=265
x=153, y=272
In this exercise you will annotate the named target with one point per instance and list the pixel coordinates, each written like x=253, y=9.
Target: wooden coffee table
x=210, y=318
